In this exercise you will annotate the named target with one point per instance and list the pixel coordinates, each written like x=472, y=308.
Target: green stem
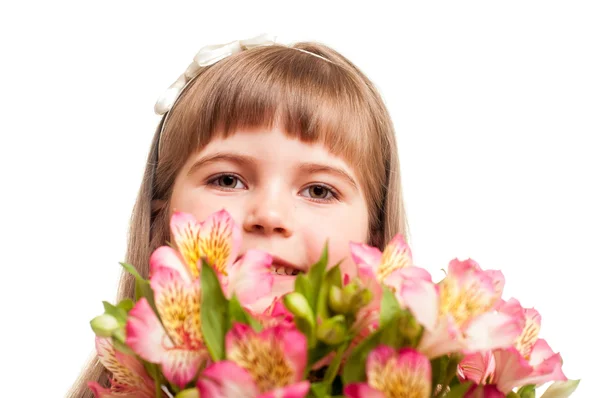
x=158, y=391
x=334, y=366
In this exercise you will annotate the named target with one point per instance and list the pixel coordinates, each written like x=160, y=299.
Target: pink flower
x=265, y=364
x=467, y=319
x=394, y=268
x=275, y=314
x=217, y=239
x=129, y=379
x=392, y=373
x=488, y=391
x=175, y=340
x=530, y=360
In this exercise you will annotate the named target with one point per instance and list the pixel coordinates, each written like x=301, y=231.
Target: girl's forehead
x=272, y=145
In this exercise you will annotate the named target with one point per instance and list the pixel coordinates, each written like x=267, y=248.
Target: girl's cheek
x=338, y=248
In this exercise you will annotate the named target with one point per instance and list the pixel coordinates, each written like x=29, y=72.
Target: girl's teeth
x=282, y=270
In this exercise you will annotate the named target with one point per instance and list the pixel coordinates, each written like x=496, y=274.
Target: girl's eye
x=321, y=193
x=227, y=181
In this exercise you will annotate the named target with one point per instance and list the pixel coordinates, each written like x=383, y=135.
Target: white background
x=496, y=107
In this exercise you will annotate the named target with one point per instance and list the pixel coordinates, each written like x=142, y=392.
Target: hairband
x=207, y=55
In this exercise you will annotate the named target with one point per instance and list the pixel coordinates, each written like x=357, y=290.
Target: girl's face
x=289, y=197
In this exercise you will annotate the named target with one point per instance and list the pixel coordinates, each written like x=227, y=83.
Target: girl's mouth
x=281, y=267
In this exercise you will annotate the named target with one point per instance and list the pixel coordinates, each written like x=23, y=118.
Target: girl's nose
x=269, y=214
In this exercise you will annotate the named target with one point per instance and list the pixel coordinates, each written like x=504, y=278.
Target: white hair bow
x=207, y=55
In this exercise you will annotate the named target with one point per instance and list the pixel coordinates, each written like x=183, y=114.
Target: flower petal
x=275, y=357
x=362, y=390
x=225, y=379
x=145, y=334
x=297, y=390
x=477, y=367
x=250, y=278
x=511, y=369
x=421, y=298
x=178, y=304
x=467, y=291
x=396, y=255
x=366, y=255
x=220, y=239
x=481, y=391
x=491, y=331
x=127, y=371
x=186, y=233
x=444, y=338
x=397, y=373
x=547, y=365
x=181, y=365
x=167, y=257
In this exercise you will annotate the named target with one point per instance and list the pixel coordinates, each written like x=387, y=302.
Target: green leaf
x=334, y=366
x=390, y=308
x=391, y=334
x=561, y=389
x=319, y=390
x=302, y=285
x=304, y=318
x=126, y=305
x=527, y=391
x=118, y=313
x=354, y=369
x=214, y=313
x=334, y=275
x=459, y=390
x=237, y=313
x=142, y=286
x=315, y=278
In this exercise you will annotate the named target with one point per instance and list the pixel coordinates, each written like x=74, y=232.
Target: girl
x=293, y=141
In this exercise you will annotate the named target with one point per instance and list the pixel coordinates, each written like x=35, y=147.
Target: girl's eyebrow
x=241, y=160
x=310, y=168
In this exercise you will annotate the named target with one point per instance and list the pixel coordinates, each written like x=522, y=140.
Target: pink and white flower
x=394, y=268
x=218, y=240
x=129, y=378
x=392, y=373
x=258, y=364
x=529, y=360
x=175, y=340
x=467, y=318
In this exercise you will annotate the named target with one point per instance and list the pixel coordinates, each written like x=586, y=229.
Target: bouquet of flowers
x=387, y=331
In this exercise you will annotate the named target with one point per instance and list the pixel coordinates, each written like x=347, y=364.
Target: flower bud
x=333, y=330
x=351, y=288
x=298, y=305
x=188, y=393
x=104, y=325
x=360, y=299
x=410, y=328
x=336, y=300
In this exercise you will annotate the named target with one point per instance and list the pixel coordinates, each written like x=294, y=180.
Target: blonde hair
x=332, y=103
